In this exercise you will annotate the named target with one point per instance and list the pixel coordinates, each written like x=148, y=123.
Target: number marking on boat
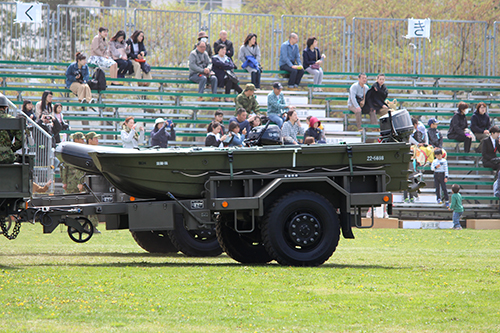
x=161, y=162
x=371, y=158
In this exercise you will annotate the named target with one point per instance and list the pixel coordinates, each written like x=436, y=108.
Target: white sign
x=419, y=28
x=29, y=13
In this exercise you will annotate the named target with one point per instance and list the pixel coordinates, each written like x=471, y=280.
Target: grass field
x=382, y=281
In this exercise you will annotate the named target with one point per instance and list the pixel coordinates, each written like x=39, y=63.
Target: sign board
x=29, y=12
x=418, y=28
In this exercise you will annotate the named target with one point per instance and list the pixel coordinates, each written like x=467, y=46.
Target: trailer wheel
x=194, y=243
x=84, y=234
x=241, y=247
x=154, y=241
x=301, y=229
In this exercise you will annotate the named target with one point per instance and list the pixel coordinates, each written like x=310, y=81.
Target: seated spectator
x=256, y=121
x=131, y=138
x=28, y=109
x=313, y=60
x=490, y=148
x=137, y=55
x=119, y=49
x=435, y=138
x=224, y=41
x=200, y=69
x=458, y=127
x=77, y=76
x=247, y=100
x=291, y=128
x=45, y=105
x=58, y=122
x=419, y=136
x=214, y=139
x=99, y=53
x=218, y=118
x=92, y=138
x=290, y=60
x=203, y=37
x=249, y=55
x=236, y=138
x=241, y=119
x=356, y=100
x=375, y=100
x=221, y=64
x=480, y=124
x=160, y=135
x=314, y=131
x=276, y=105
x=45, y=122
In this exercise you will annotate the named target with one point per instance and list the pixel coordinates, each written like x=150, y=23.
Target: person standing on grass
x=440, y=168
x=456, y=206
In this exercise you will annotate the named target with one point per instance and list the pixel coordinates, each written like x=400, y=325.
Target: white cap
x=159, y=120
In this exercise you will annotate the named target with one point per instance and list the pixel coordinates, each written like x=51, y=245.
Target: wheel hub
x=304, y=230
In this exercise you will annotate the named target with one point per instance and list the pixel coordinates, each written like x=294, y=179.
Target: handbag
x=316, y=65
x=230, y=74
x=146, y=68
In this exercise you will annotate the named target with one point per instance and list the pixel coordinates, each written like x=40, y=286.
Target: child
x=456, y=206
x=435, y=138
x=237, y=138
x=440, y=168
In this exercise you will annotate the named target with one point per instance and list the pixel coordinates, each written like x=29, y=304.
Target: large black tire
x=154, y=241
x=245, y=248
x=301, y=229
x=194, y=243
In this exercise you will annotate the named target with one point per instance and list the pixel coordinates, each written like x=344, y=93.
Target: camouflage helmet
x=4, y=101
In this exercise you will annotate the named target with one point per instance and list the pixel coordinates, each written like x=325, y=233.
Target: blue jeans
x=456, y=219
x=275, y=119
x=202, y=81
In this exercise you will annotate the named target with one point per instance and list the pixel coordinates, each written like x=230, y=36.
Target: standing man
x=356, y=100
x=10, y=141
x=200, y=68
x=223, y=40
x=290, y=60
x=276, y=105
x=246, y=100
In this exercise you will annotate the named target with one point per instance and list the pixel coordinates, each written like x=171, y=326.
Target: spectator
x=419, y=136
x=247, y=100
x=203, y=37
x=440, y=168
x=77, y=76
x=58, y=122
x=435, y=138
x=214, y=139
x=92, y=138
x=314, y=131
x=458, y=127
x=256, y=121
x=200, y=69
x=291, y=128
x=160, y=134
x=221, y=65
x=290, y=60
x=356, y=101
x=119, y=50
x=236, y=138
x=28, y=109
x=99, y=53
x=45, y=105
x=276, y=105
x=375, y=100
x=45, y=122
x=456, y=206
x=480, y=124
x=224, y=41
x=313, y=60
x=249, y=55
x=131, y=138
x=490, y=146
x=218, y=118
x=496, y=186
x=137, y=56
x=241, y=119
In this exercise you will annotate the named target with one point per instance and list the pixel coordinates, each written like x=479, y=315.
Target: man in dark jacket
x=45, y=122
x=375, y=99
x=490, y=148
x=458, y=125
x=223, y=40
x=435, y=138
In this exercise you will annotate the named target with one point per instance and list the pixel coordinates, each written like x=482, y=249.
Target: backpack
x=98, y=81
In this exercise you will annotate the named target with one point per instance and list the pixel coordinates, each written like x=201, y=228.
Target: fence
x=368, y=44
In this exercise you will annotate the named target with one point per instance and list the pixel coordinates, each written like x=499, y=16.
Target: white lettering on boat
x=370, y=158
x=161, y=162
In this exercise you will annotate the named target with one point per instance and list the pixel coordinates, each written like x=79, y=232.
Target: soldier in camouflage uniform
x=10, y=140
x=247, y=100
x=92, y=138
x=71, y=177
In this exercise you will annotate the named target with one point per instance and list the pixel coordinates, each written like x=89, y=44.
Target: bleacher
x=172, y=95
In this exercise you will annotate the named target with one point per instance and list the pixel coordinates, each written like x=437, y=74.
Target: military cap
x=77, y=135
x=91, y=135
x=249, y=86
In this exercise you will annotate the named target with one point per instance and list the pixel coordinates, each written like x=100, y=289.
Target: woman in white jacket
x=130, y=137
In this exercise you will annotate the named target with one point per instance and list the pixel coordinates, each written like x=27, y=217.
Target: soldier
x=92, y=138
x=10, y=140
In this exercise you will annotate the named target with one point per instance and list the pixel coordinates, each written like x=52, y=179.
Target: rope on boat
x=336, y=170
x=265, y=173
x=300, y=171
x=194, y=176
x=370, y=168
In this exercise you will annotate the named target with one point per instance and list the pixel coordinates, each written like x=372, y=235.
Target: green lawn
x=382, y=281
